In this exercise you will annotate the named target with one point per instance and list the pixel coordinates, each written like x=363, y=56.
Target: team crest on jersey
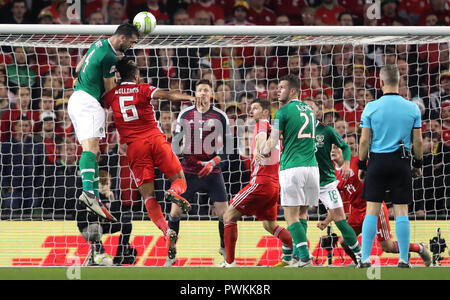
x=210, y=123
x=319, y=140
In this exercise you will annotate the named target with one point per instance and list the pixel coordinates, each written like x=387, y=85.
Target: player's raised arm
x=173, y=96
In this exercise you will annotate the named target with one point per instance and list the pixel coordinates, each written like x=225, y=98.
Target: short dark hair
x=346, y=12
x=246, y=95
x=203, y=81
x=390, y=75
x=293, y=81
x=127, y=68
x=265, y=104
x=127, y=30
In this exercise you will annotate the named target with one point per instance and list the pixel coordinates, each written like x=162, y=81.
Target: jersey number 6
x=124, y=109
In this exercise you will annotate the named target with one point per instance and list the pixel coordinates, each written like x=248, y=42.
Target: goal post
x=338, y=67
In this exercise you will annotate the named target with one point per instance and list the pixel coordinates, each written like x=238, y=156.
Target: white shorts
x=300, y=186
x=330, y=196
x=87, y=115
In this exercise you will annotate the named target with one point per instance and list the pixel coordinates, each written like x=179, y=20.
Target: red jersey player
x=351, y=191
x=260, y=196
x=147, y=145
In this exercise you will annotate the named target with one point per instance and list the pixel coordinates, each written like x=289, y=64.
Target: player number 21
x=124, y=109
x=308, y=118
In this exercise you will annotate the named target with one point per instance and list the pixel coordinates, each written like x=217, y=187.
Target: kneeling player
x=351, y=191
x=260, y=197
x=147, y=145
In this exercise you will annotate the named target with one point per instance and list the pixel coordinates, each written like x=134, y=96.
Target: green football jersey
x=100, y=63
x=297, y=122
x=326, y=136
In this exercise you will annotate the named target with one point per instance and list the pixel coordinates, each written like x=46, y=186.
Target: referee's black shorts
x=388, y=171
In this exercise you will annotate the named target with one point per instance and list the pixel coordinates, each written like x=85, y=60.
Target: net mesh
x=40, y=178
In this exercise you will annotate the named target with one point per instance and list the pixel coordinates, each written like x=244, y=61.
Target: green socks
x=349, y=236
x=89, y=171
x=299, y=240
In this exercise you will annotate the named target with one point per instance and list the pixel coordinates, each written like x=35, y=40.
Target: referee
x=387, y=125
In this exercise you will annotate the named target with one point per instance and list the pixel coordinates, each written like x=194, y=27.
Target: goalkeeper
x=96, y=75
x=329, y=195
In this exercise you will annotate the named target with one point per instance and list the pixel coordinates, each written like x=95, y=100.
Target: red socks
x=155, y=214
x=283, y=235
x=230, y=238
x=412, y=247
x=179, y=186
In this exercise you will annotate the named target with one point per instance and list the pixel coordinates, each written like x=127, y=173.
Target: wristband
x=362, y=165
x=417, y=163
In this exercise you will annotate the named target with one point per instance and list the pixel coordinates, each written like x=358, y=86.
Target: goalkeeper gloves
x=208, y=166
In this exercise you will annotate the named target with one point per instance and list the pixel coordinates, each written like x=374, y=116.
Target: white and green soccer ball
x=145, y=22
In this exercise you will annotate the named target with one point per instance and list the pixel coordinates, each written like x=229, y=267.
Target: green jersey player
x=96, y=76
x=326, y=138
x=299, y=172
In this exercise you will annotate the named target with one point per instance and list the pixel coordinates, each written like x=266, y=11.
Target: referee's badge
x=319, y=140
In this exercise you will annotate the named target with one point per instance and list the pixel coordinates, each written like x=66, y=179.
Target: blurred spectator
x=19, y=73
x=181, y=17
x=256, y=79
x=328, y=12
x=434, y=101
x=216, y=11
x=67, y=184
x=356, y=8
x=203, y=17
x=63, y=127
x=308, y=16
x=294, y=65
x=96, y=18
x=331, y=117
x=291, y=9
x=166, y=121
x=240, y=13
x=363, y=96
x=116, y=13
x=389, y=13
x=155, y=8
x=22, y=168
x=324, y=101
x=245, y=103
x=224, y=94
x=341, y=127
x=45, y=17
x=345, y=18
x=259, y=14
x=62, y=16
x=352, y=141
x=349, y=108
x=445, y=115
x=48, y=136
x=311, y=84
x=165, y=68
x=283, y=20
x=412, y=9
x=440, y=8
x=272, y=96
x=18, y=14
x=20, y=110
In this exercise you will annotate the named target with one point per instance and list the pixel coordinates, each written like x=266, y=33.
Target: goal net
x=339, y=71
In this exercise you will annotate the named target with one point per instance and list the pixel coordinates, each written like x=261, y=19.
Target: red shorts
x=146, y=154
x=260, y=200
x=356, y=219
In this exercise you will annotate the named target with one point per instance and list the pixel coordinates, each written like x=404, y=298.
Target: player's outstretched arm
x=172, y=96
x=271, y=142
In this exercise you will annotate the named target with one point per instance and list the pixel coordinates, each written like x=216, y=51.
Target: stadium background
x=336, y=76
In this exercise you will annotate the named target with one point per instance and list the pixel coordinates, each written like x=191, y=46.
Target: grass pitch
x=214, y=273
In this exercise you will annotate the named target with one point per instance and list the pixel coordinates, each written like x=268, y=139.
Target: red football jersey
x=351, y=116
x=133, y=113
x=351, y=189
x=269, y=170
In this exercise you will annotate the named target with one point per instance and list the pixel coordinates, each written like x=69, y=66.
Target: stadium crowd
x=39, y=150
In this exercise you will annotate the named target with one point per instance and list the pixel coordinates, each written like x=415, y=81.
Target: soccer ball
x=145, y=22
